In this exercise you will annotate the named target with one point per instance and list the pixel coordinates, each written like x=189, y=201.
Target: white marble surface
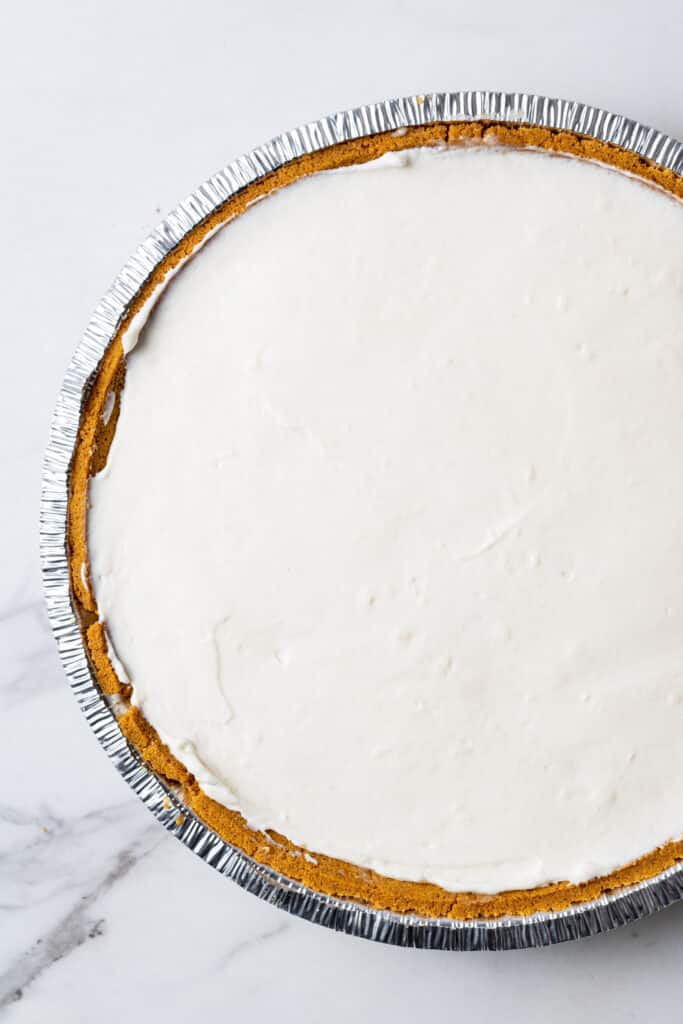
x=111, y=113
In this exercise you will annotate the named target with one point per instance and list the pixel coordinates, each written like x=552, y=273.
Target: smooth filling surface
x=389, y=537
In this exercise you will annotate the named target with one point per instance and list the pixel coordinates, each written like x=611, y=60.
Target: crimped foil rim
x=542, y=929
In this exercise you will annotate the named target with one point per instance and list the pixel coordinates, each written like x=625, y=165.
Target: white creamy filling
x=390, y=535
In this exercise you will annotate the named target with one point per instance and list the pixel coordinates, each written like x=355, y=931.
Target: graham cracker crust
x=321, y=873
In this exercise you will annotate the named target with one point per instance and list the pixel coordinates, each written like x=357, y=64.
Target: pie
x=376, y=520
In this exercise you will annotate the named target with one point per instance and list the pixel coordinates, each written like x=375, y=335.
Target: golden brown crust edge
x=321, y=873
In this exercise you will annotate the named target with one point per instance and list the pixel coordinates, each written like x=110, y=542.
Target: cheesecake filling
x=390, y=535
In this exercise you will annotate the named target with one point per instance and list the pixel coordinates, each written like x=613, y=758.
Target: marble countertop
x=112, y=113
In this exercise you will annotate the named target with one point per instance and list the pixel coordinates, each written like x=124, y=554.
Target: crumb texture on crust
x=98, y=423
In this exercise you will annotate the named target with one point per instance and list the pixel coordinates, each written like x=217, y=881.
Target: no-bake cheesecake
x=376, y=520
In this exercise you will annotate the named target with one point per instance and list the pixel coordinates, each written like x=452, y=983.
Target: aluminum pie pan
x=541, y=929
